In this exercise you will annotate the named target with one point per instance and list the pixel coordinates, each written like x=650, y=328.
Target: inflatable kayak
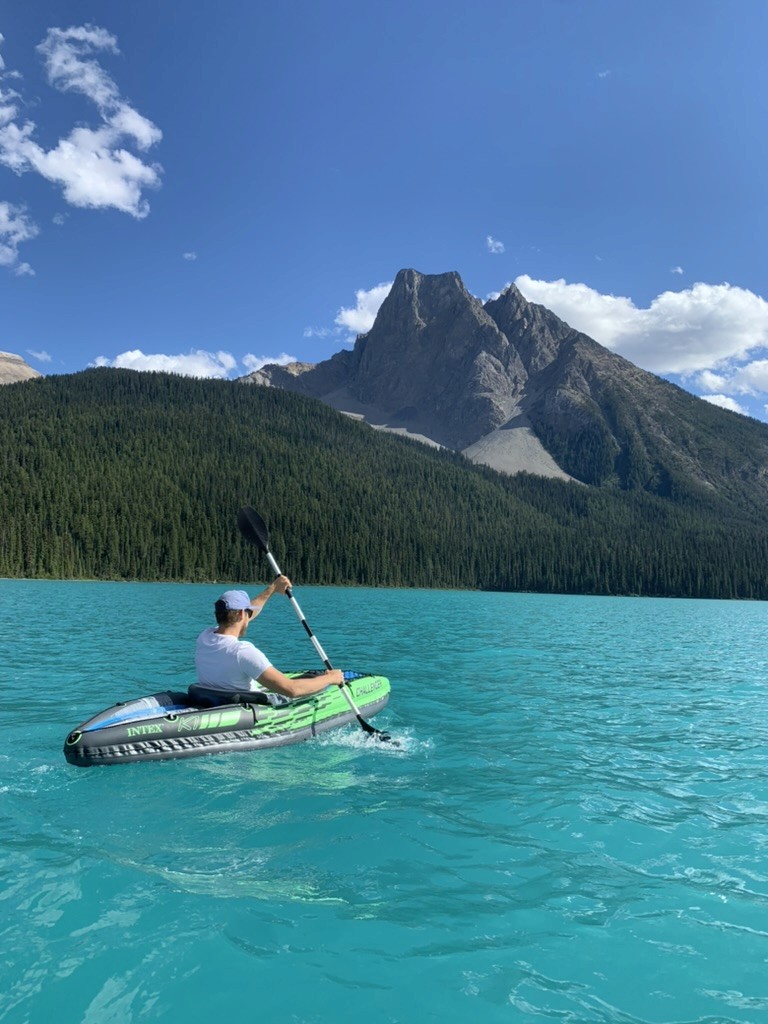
x=187, y=724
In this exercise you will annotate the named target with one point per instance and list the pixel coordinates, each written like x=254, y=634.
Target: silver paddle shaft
x=289, y=593
x=315, y=642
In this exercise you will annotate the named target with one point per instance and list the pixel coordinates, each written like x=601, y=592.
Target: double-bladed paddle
x=254, y=529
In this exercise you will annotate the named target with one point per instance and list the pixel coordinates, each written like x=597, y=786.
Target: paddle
x=254, y=529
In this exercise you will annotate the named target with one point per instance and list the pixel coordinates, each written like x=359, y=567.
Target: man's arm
x=279, y=585
x=274, y=680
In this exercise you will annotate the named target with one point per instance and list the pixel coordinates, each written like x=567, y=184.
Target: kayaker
x=228, y=664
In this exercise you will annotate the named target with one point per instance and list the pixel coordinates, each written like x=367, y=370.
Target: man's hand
x=281, y=584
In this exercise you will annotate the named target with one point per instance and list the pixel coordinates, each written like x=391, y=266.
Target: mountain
x=510, y=385
x=434, y=365
x=13, y=368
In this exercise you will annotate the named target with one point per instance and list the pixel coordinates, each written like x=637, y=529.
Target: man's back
x=225, y=663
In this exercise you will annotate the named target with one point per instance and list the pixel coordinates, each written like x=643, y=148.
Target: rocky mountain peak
x=434, y=361
x=535, y=331
x=415, y=291
x=421, y=300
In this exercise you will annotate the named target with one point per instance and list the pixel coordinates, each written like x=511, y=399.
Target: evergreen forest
x=114, y=474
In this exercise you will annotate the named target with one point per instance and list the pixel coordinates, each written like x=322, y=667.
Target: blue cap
x=235, y=600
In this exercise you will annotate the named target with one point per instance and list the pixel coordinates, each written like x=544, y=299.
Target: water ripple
x=573, y=828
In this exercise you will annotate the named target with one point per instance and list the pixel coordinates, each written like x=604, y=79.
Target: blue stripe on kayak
x=135, y=716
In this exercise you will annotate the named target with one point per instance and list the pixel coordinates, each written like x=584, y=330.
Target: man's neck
x=236, y=631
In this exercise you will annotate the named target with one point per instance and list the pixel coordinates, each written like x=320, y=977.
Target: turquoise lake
x=574, y=827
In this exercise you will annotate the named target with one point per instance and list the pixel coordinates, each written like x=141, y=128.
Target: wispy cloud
x=676, y=270
x=15, y=228
x=359, y=318
x=9, y=98
x=8, y=105
x=494, y=245
x=253, y=363
x=92, y=166
x=24, y=270
x=604, y=74
x=40, y=357
x=196, y=363
x=190, y=256
x=749, y=378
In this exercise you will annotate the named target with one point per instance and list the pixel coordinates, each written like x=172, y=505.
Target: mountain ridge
x=511, y=385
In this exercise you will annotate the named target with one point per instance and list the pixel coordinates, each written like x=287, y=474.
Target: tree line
x=113, y=474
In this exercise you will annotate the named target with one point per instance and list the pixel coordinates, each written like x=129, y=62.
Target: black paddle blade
x=384, y=737
x=253, y=527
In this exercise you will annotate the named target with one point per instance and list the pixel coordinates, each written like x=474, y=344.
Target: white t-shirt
x=226, y=663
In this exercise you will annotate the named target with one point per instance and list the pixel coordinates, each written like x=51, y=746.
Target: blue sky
x=207, y=187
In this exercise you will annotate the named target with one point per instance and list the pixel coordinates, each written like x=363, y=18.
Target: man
x=228, y=664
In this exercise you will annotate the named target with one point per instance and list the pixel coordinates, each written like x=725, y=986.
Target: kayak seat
x=205, y=697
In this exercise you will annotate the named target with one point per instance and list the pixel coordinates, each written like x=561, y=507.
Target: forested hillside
x=113, y=474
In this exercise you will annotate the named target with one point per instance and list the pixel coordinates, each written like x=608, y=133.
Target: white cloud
x=60, y=219
x=196, y=363
x=494, y=245
x=676, y=270
x=41, y=357
x=253, y=363
x=8, y=107
x=24, y=270
x=318, y=332
x=3, y=72
x=91, y=165
x=704, y=327
x=91, y=170
x=710, y=382
x=15, y=228
x=191, y=256
x=64, y=49
x=127, y=121
x=724, y=402
x=750, y=379
x=359, y=319
x=604, y=74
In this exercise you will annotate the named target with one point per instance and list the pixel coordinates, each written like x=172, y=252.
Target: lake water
x=574, y=827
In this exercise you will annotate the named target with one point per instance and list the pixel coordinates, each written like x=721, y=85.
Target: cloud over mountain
x=683, y=332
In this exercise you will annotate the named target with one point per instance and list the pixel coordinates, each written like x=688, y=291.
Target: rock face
x=13, y=368
x=511, y=385
x=434, y=365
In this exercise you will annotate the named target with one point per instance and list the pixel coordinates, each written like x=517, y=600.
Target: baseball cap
x=235, y=600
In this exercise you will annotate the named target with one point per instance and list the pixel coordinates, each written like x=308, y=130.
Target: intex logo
x=143, y=730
